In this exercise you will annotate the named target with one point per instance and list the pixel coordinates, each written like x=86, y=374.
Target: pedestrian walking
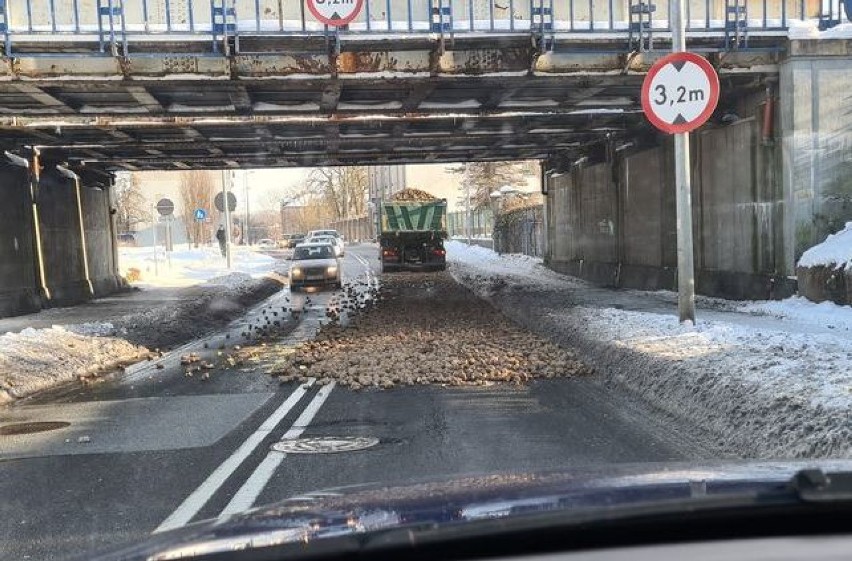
x=220, y=235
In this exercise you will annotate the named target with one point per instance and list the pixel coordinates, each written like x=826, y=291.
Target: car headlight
x=331, y=271
x=295, y=272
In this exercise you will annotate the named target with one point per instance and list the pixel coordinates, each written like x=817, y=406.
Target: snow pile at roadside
x=778, y=390
x=835, y=252
x=190, y=266
x=803, y=311
x=773, y=392
x=35, y=359
x=513, y=264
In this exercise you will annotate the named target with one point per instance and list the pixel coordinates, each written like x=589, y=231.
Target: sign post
x=227, y=207
x=679, y=94
x=166, y=208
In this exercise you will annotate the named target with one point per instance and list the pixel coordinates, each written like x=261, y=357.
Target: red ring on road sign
x=712, y=78
x=335, y=22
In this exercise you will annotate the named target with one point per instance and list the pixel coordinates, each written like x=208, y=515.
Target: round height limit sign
x=680, y=92
x=336, y=13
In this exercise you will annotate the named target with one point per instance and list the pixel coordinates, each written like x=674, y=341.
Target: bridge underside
x=357, y=102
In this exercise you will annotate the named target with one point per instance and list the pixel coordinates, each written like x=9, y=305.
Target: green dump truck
x=412, y=234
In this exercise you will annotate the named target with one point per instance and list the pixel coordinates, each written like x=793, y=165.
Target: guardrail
x=116, y=23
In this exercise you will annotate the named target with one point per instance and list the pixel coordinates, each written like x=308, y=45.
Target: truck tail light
x=439, y=252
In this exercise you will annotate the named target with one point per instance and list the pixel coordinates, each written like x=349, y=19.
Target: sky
x=266, y=187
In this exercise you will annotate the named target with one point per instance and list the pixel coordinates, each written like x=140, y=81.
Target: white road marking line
x=198, y=498
x=251, y=489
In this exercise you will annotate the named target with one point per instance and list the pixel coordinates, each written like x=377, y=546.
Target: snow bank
x=35, y=359
x=803, y=311
x=835, y=252
x=514, y=264
x=191, y=266
x=778, y=389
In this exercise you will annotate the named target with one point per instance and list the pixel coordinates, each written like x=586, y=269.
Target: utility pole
x=468, y=218
x=683, y=193
x=154, y=231
x=247, y=236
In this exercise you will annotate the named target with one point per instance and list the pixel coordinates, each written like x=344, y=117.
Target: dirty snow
x=35, y=359
x=186, y=267
x=835, y=252
x=780, y=387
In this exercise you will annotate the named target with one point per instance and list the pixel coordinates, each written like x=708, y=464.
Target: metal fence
x=482, y=223
x=355, y=229
x=520, y=231
x=122, y=21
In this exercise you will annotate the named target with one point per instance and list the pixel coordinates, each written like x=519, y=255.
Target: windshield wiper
x=816, y=486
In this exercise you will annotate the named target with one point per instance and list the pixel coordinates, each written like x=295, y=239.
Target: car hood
x=369, y=507
x=330, y=262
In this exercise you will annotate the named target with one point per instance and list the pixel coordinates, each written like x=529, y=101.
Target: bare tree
x=343, y=189
x=196, y=191
x=486, y=177
x=130, y=203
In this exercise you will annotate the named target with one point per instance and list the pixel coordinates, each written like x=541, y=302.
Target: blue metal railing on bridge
x=117, y=24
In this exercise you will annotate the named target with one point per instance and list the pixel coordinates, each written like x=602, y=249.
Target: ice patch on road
x=192, y=266
x=780, y=387
x=35, y=359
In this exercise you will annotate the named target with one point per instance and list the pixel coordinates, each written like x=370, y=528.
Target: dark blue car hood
x=360, y=509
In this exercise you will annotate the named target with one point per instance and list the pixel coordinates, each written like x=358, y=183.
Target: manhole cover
x=29, y=428
x=325, y=444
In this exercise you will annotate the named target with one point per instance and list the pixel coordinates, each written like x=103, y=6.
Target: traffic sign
x=680, y=92
x=336, y=13
x=165, y=207
x=232, y=202
x=200, y=214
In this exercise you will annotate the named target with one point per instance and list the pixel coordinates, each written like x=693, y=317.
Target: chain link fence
x=520, y=231
x=482, y=223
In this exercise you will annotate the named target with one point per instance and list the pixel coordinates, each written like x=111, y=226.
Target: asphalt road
x=152, y=449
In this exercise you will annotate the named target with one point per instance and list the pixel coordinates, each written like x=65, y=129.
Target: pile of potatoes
x=412, y=195
x=426, y=329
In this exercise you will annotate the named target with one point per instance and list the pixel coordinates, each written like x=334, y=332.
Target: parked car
x=291, y=240
x=314, y=265
x=266, y=243
x=127, y=239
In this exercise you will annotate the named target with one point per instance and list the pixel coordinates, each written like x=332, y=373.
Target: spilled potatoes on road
x=424, y=329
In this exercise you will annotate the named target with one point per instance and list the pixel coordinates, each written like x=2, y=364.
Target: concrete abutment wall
x=613, y=222
x=59, y=277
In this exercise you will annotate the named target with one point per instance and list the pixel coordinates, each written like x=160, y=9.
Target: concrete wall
x=61, y=242
x=613, y=222
x=817, y=144
x=18, y=283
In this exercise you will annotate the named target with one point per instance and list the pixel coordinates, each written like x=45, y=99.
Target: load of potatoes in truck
x=413, y=227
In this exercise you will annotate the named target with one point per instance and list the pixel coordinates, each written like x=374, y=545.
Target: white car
x=316, y=233
x=336, y=242
x=314, y=265
x=266, y=243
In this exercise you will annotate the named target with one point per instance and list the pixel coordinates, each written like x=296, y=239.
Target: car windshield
x=313, y=252
x=281, y=252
